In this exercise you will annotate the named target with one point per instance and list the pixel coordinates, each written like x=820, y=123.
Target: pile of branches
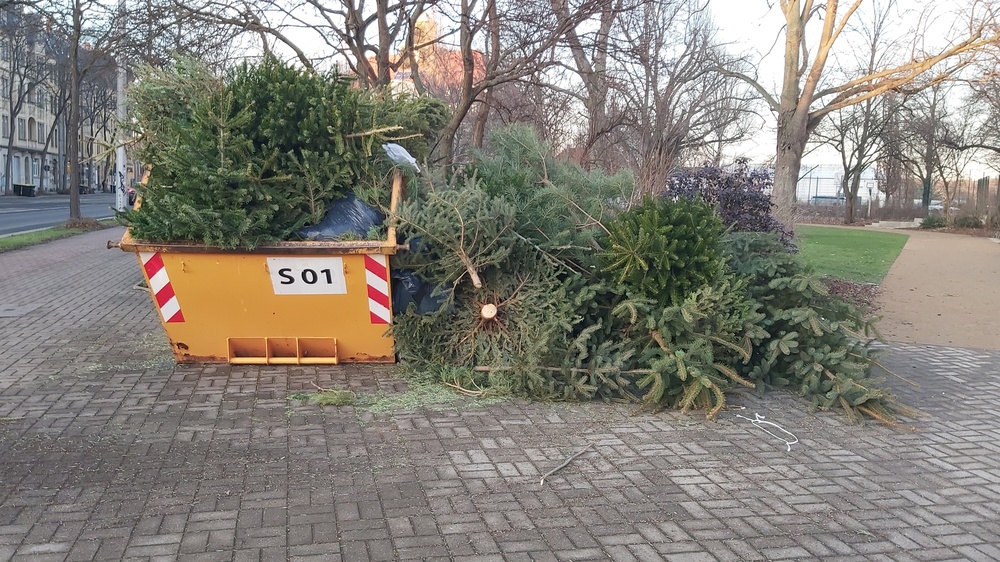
x=551, y=287
x=254, y=155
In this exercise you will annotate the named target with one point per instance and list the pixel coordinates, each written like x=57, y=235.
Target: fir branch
x=733, y=375
x=879, y=364
x=378, y=131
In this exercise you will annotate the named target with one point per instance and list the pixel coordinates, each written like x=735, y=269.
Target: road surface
x=23, y=214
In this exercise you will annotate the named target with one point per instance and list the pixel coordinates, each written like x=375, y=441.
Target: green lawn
x=848, y=253
x=18, y=241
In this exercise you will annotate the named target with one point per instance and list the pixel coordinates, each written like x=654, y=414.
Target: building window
x=4, y=51
x=21, y=134
x=40, y=96
x=6, y=126
x=32, y=127
x=5, y=85
x=41, y=133
x=34, y=167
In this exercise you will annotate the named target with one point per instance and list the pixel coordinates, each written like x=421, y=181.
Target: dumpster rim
x=386, y=247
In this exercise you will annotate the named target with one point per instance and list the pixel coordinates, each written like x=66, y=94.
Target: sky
x=749, y=26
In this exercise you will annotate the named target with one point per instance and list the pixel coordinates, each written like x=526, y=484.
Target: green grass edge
x=851, y=254
x=24, y=240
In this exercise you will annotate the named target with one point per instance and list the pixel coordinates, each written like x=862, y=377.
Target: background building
x=34, y=97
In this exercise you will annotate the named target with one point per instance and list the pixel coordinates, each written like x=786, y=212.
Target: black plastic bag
x=347, y=216
x=408, y=288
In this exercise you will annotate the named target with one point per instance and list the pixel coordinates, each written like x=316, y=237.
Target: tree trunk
x=8, y=163
x=449, y=136
x=479, y=125
x=852, y=186
x=792, y=137
x=658, y=162
x=73, y=119
x=42, y=175
x=946, y=203
x=446, y=144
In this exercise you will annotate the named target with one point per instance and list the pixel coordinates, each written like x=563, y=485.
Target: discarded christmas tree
x=553, y=289
x=251, y=157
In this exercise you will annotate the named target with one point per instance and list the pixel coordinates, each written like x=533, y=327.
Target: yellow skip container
x=288, y=303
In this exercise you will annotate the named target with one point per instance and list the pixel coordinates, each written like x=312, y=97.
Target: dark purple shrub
x=740, y=195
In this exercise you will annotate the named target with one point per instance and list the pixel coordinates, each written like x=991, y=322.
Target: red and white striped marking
x=377, y=274
x=166, y=300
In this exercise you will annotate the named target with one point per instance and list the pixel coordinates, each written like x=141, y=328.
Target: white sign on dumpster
x=307, y=276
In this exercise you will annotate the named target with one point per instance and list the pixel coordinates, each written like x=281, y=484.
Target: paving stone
x=110, y=451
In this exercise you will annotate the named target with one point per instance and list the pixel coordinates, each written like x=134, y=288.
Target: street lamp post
x=121, y=194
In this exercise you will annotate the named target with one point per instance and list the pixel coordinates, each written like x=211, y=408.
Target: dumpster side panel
x=212, y=299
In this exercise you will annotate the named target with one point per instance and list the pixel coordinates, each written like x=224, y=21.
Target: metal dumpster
x=283, y=303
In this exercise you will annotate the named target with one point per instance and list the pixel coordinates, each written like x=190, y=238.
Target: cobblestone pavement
x=108, y=452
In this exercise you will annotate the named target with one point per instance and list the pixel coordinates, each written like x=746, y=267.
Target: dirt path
x=944, y=289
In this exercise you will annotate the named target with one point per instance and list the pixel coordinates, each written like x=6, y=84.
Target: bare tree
x=952, y=159
x=374, y=39
x=889, y=167
x=983, y=107
x=856, y=131
x=97, y=127
x=805, y=99
x=889, y=180
x=593, y=56
x=676, y=100
x=23, y=71
x=533, y=102
x=490, y=44
x=86, y=32
x=853, y=133
x=162, y=30
x=921, y=135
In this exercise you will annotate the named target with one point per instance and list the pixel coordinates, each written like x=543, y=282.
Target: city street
x=23, y=214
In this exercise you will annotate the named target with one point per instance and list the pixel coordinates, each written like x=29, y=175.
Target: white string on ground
x=759, y=421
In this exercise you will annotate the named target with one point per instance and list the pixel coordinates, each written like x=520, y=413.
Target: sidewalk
x=944, y=289
x=108, y=451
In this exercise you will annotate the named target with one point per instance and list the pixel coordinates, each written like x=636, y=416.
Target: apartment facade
x=33, y=111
